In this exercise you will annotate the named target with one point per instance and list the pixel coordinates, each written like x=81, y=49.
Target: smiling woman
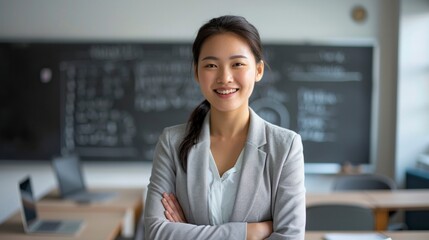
x=227, y=72
x=227, y=173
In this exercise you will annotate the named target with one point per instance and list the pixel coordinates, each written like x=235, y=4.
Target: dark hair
x=234, y=24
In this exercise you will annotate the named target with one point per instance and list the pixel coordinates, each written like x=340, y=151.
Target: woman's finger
x=178, y=208
x=173, y=208
x=168, y=216
x=167, y=210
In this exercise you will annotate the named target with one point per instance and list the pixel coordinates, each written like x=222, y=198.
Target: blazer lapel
x=197, y=175
x=252, y=169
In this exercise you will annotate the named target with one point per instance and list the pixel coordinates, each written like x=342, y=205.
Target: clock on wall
x=359, y=14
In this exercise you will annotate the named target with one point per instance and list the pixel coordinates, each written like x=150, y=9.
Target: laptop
x=32, y=224
x=71, y=182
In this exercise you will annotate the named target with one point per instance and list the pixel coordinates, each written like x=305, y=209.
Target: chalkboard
x=324, y=93
x=29, y=106
x=114, y=99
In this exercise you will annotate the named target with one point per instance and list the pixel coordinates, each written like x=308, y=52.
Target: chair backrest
x=363, y=182
x=339, y=217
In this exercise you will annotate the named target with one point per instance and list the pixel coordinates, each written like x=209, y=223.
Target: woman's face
x=227, y=72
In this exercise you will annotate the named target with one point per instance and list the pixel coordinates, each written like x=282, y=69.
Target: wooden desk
x=100, y=225
x=339, y=198
x=381, y=201
x=399, y=235
x=127, y=200
x=407, y=199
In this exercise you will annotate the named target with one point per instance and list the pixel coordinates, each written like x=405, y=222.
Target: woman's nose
x=224, y=76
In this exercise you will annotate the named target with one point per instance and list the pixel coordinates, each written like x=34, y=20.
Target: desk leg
x=381, y=219
x=128, y=224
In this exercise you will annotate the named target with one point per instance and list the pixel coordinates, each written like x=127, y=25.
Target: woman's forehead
x=225, y=45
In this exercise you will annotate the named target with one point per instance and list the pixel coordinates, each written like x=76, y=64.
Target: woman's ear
x=259, y=70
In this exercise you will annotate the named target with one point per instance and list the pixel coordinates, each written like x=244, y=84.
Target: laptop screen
x=69, y=174
x=28, y=202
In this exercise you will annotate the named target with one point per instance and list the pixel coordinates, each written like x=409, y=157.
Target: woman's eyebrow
x=237, y=56
x=210, y=58
x=215, y=58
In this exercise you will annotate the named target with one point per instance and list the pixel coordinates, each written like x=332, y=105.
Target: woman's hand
x=259, y=230
x=173, y=211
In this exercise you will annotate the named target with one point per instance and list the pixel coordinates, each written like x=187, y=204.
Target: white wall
x=277, y=20
x=167, y=19
x=413, y=85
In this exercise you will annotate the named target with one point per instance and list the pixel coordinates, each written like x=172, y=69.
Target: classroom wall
x=277, y=20
x=412, y=141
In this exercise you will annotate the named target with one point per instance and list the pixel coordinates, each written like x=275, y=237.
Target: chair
x=363, y=182
x=339, y=217
x=368, y=182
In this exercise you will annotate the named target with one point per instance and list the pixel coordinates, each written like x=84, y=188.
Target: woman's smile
x=226, y=91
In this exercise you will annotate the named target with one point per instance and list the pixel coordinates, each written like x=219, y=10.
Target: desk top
x=100, y=225
x=409, y=199
x=125, y=198
x=398, y=235
x=338, y=198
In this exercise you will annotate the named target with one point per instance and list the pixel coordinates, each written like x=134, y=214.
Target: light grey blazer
x=271, y=186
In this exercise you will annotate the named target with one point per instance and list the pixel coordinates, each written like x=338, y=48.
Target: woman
x=227, y=173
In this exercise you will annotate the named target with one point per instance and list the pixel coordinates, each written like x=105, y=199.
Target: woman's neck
x=229, y=124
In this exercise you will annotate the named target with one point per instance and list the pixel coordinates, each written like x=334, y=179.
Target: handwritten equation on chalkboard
x=323, y=93
x=119, y=98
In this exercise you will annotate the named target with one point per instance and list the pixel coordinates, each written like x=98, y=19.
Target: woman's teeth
x=229, y=91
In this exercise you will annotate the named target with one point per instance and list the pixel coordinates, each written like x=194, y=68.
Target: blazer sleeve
x=289, y=207
x=163, y=179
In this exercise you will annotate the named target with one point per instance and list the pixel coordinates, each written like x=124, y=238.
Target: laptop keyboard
x=48, y=226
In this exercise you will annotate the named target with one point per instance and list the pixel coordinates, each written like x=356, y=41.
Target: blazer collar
x=256, y=135
x=197, y=171
x=252, y=171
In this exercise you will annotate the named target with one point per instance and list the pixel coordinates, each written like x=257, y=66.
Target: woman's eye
x=210, y=65
x=238, y=64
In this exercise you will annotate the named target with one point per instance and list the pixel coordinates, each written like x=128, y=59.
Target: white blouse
x=222, y=191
